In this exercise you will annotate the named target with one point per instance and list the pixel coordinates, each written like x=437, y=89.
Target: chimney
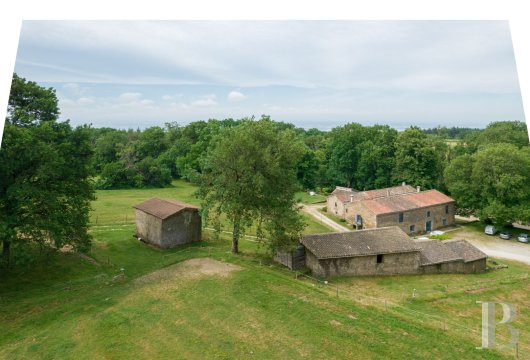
x=387, y=192
x=418, y=189
x=403, y=183
x=351, y=198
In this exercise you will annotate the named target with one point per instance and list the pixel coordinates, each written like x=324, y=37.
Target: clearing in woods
x=200, y=301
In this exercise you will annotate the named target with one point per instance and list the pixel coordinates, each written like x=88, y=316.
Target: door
x=428, y=226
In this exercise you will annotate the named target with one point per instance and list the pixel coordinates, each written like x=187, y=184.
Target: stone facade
x=391, y=264
x=438, y=215
x=422, y=211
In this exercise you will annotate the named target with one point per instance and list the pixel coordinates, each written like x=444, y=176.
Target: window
x=379, y=259
x=412, y=228
x=358, y=219
x=428, y=214
x=346, y=210
x=444, y=222
x=335, y=204
x=400, y=217
x=447, y=209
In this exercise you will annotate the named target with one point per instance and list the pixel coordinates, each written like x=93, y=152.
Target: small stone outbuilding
x=167, y=223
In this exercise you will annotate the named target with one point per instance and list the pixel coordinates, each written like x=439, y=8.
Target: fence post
x=337, y=287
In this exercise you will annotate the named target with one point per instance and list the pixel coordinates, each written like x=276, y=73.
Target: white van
x=490, y=230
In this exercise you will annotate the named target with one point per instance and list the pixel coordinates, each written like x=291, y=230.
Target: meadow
x=126, y=299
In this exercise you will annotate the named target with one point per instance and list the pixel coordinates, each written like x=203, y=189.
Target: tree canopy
x=45, y=191
x=249, y=176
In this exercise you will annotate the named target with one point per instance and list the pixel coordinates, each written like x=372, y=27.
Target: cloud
x=236, y=96
x=130, y=96
x=205, y=101
x=85, y=101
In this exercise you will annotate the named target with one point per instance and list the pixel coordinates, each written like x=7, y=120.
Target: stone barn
x=450, y=256
x=167, y=223
x=381, y=251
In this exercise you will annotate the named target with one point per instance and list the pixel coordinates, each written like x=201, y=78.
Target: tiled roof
x=359, y=243
x=404, y=202
x=465, y=250
x=436, y=252
x=345, y=194
x=163, y=208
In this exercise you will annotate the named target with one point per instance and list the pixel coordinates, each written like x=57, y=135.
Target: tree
x=417, y=160
x=493, y=183
x=344, y=153
x=45, y=191
x=249, y=176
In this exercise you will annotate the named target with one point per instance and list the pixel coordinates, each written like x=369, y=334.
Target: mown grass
x=305, y=198
x=116, y=206
x=260, y=312
x=82, y=308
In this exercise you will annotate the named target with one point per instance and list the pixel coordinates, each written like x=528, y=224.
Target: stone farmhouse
x=385, y=251
x=413, y=210
x=167, y=223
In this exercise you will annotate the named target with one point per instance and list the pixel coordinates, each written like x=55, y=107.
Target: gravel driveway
x=313, y=211
x=495, y=246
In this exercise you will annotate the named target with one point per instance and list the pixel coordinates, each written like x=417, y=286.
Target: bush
x=439, y=237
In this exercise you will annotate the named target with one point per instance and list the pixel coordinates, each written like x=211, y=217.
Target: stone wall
x=455, y=267
x=418, y=218
x=392, y=264
x=368, y=217
x=335, y=206
x=148, y=228
x=181, y=228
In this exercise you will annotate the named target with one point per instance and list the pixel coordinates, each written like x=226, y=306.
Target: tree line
x=247, y=169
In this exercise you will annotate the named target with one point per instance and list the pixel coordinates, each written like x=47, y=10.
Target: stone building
x=387, y=251
x=413, y=210
x=167, y=223
x=450, y=256
x=383, y=251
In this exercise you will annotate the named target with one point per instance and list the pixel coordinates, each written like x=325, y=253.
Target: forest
x=49, y=169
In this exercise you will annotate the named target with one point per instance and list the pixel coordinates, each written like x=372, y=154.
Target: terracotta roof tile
x=163, y=208
x=406, y=202
x=359, y=243
x=345, y=194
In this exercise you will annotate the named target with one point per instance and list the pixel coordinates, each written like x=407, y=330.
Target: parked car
x=506, y=235
x=524, y=238
x=490, y=230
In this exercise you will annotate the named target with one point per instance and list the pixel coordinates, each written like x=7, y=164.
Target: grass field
x=305, y=198
x=128, y=300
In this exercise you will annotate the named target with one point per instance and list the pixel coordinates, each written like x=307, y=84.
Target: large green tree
x=45, y=191
x=418, y=159
x=249, y=176
x=493, y=183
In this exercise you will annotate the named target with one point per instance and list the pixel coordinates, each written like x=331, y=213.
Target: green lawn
x=305, y=198
x=73, y=307
x=335, y=218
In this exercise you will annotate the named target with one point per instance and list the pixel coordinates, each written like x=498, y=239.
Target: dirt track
x=313, y=211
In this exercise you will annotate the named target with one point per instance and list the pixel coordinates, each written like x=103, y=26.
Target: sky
x=322, y=74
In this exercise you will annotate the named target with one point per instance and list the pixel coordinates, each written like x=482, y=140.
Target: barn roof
x=359, y=243
x=163, y=208
x=345, y=194
x=466, y=250
x=404, y=202
x=436, y=252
